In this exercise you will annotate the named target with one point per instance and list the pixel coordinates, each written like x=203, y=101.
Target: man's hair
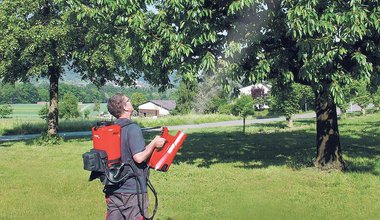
x=116, y=104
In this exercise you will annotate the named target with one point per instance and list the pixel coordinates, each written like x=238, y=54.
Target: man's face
x=128, y=104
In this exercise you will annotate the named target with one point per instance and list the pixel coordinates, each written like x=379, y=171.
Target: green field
x=218, y=174
x=21, y=111
x=25, y=110
x=25, y=120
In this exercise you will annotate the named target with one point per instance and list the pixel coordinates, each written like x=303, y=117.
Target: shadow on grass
x=292, y=148
x=6, y=144
x=258, y=150
x=363, y=147
x=274, y=145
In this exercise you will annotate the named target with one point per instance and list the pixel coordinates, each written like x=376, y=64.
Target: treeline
x=23, y=93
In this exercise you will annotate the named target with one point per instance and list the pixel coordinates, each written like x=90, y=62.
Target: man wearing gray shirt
x=122, y=200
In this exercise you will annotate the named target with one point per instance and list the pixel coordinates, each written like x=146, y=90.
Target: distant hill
x=68, y=77
x=73, y=78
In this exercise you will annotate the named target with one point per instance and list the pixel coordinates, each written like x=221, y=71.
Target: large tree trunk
x=329, y=152
x=53, y=104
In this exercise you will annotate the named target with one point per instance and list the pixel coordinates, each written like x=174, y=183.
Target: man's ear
x=125, y=107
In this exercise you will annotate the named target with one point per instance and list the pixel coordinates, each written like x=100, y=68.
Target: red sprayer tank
x=107, y=138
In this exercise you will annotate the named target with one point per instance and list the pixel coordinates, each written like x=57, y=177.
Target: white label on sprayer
x=171, y=148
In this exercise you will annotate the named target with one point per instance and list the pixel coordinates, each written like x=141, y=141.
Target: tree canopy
x=39, y=38
x=322, y=44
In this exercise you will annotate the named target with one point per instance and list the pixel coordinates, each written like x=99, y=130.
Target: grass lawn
x=218, y=174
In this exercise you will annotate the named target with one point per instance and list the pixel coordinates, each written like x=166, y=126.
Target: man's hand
x=159, y=142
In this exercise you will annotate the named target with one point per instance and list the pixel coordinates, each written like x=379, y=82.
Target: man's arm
x=157, y=142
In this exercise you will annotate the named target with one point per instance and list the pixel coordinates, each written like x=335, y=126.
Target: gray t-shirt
x=132, y=142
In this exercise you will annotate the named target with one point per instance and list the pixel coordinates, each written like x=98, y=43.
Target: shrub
x=69, y=107
x=224, y=109
x=43, y=112
x=86, y=113
x=5, y=110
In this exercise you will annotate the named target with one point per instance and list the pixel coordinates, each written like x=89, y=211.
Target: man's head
x=119, y=105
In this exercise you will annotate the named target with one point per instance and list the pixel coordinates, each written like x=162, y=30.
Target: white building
x=156, y=108
x=257, y=90
x=248, y=89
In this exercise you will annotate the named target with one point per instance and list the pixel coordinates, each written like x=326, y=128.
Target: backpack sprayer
x=163, y=158
x=104, y=160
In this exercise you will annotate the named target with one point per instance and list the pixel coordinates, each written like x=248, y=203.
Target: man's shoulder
x=123, y=122
x=127, y=124
x=133, y=125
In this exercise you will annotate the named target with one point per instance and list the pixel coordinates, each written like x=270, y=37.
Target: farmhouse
x=259, y=90
x=250, y=90
x=156, y=108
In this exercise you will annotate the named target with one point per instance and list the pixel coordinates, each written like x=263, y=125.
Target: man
x=122, y=200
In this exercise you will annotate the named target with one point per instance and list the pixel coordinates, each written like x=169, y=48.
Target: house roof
x=166, y=104
x=247, y=89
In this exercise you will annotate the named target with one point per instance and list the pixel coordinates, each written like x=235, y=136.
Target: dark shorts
x=125, y=206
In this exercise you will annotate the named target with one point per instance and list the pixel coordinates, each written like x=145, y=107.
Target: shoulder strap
x=126, y=123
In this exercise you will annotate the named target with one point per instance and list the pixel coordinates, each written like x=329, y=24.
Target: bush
x=43, y=112
x=224, y=109
x=243, y=106
x=86, y=113
x=5, y=110
x=46, y=140
x=69, y=107
x=213, y=105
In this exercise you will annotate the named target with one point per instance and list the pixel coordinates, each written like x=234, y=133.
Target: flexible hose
x=140, y=201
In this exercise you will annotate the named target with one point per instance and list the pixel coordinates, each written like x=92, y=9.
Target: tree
x=86, y=113
x=376, y=99
x=214, y=105
x=306, y=101
x=186, y=93
x=361, y=95
x=321, y=44
x=96, y=106
x=345, y=102
x=18, y=93
x=43, y=93
x=26, y=93
x=225, y=108
x=210, y=95
x=261, y=98
x=7, y=93
x=243, y=107
x=38, y=38
x=35, y=41
x=286, y=100
x=69, y=107
x=138, y=99
x=5, y=110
